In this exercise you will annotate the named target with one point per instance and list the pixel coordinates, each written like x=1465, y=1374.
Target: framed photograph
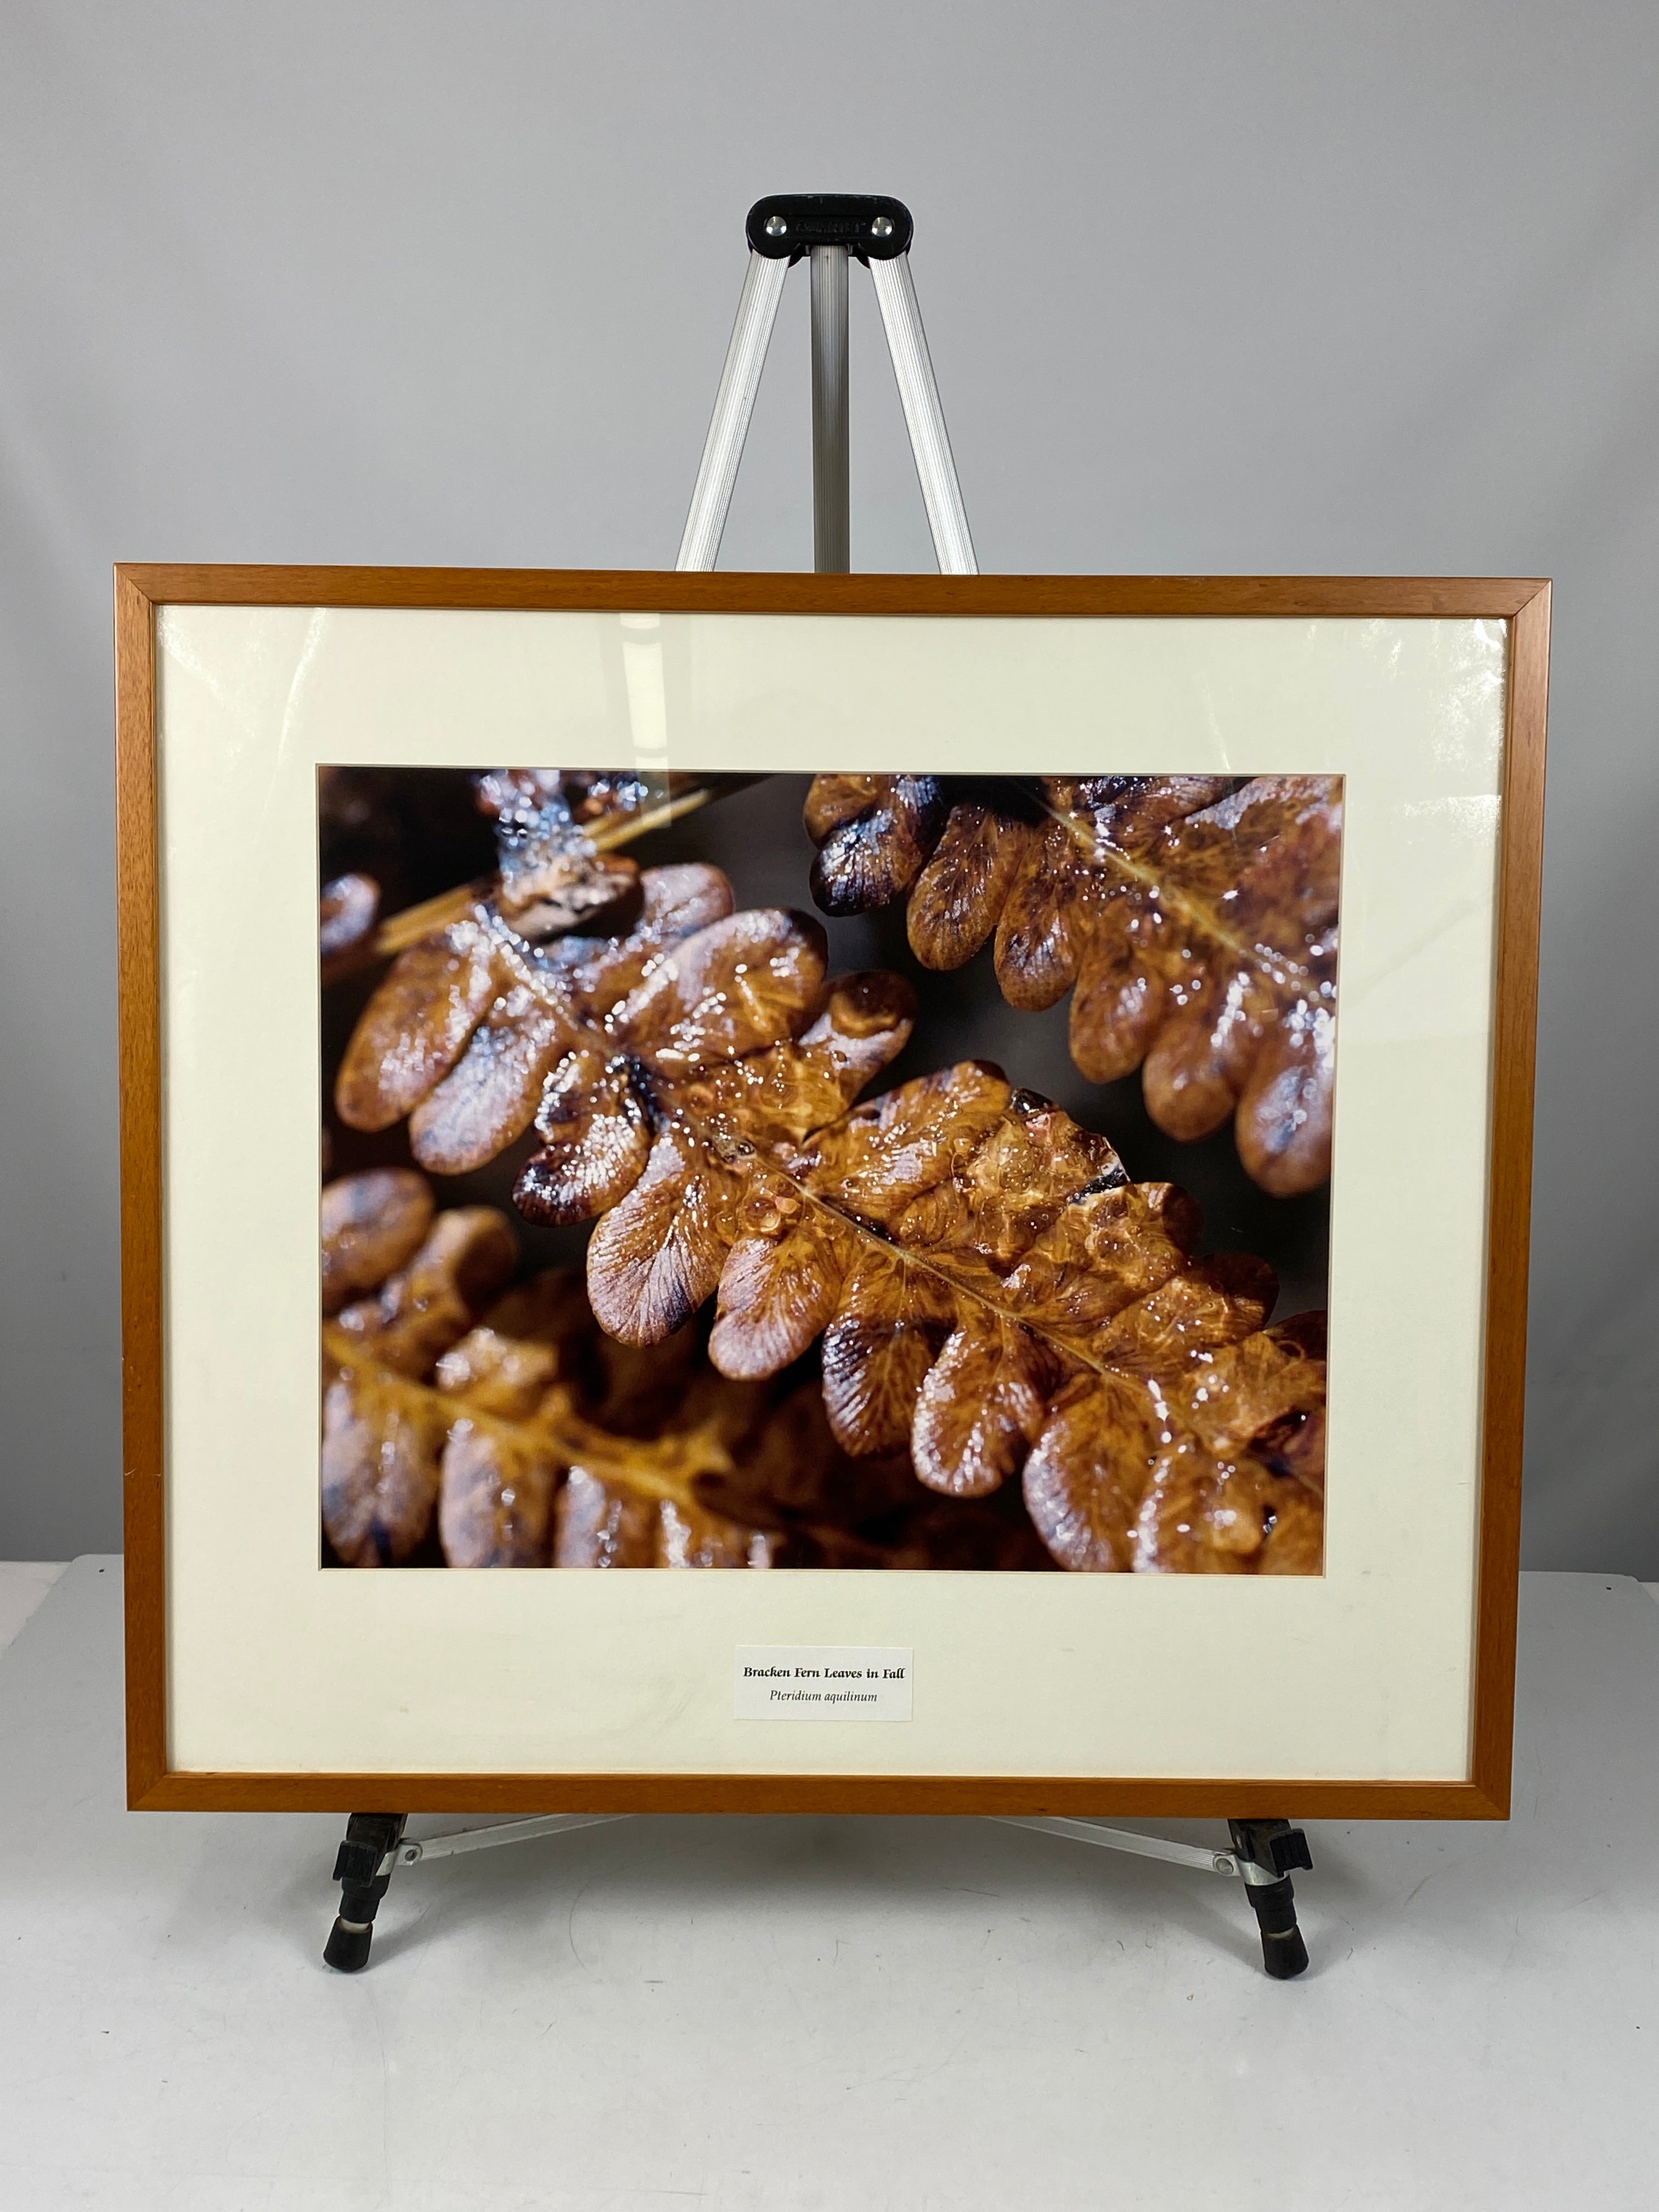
x=944, y=1162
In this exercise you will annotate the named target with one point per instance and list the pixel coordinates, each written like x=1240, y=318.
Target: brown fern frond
x=491, y=1429
x=992, y=1291
x=1194, y=918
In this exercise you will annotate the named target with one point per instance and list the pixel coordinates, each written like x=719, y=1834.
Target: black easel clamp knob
x=784, y=226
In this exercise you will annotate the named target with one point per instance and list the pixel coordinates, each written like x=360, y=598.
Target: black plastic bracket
x=369, y=1837
x=784, y=226
x=1271, y=1849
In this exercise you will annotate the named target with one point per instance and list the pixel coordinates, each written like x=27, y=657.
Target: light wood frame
x=1523, y=604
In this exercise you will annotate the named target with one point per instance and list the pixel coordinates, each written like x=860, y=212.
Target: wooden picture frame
x=155, y=1781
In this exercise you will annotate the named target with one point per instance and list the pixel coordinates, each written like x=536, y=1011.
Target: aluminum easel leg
x=1263, y=1855
x=734, y=404
x=832, y=552
x=907, y=341
x=375, y=1845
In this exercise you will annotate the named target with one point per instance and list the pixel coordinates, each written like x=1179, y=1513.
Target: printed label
x=822, y=1682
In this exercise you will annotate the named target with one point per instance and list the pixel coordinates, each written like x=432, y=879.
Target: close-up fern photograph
x=836, y=1171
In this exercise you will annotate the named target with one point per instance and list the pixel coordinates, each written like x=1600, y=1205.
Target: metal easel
x=833, y=229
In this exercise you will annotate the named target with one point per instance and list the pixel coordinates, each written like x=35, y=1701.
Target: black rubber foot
x=1284, y=1953
x=347, y=1947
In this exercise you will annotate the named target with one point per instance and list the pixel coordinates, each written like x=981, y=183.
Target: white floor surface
x=814, y=2015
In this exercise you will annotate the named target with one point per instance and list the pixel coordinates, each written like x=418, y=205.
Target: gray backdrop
x=1209, y=287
